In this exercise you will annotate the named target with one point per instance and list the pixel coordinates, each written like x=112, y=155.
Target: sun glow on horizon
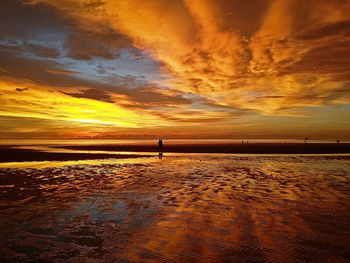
x=267, y=68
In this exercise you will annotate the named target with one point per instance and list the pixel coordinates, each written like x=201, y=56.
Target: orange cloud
x=202, y=53
x=228, y=62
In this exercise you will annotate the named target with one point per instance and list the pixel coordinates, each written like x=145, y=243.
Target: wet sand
x=253, y=148
x=8, y=154
x=207, y=208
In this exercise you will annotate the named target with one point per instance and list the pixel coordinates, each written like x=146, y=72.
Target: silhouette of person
x=338, y=141
x=160, y=143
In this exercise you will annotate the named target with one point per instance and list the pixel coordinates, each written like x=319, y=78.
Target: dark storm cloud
x=41, y=51
x=18, y=20
x=22, y=49
x=96, y=41
x=93, y=94
x=137, y=98
x=150, y=96
x=35, y=70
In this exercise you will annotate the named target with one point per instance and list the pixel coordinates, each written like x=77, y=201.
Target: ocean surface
x=177, y=208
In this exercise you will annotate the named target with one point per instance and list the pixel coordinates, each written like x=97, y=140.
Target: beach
x=100, y=150
x=181, y=208
x=9, y=154
x=249, y=148
x=184, y=131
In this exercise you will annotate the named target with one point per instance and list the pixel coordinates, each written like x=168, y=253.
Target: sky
x=174, y=69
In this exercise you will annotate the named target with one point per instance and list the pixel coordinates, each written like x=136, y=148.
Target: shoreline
x=253, y=148
x=27, y=155
x=9, y=154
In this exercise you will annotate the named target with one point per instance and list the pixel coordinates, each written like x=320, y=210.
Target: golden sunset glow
x=262, y=68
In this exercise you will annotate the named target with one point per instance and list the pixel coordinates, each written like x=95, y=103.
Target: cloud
x=214, y=60
x=35, y=70
x=91, y=94
x=135, y=93
x=326, y=30
x=95, y=40
x=38, y=102
x=21, y=89
x=235, y=55
x=58, y=71
x=28, y=128
x=21, y=21
x=42, y=51
x=81, y=40
x=153, y=97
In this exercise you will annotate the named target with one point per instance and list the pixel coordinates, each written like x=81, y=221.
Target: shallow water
x=184, y=208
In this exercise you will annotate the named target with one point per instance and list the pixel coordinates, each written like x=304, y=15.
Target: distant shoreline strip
x=8, y=154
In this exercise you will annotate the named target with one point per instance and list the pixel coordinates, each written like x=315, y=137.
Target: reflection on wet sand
x=179, y=209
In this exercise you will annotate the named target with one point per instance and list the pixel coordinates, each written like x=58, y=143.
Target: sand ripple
x=194, y=208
